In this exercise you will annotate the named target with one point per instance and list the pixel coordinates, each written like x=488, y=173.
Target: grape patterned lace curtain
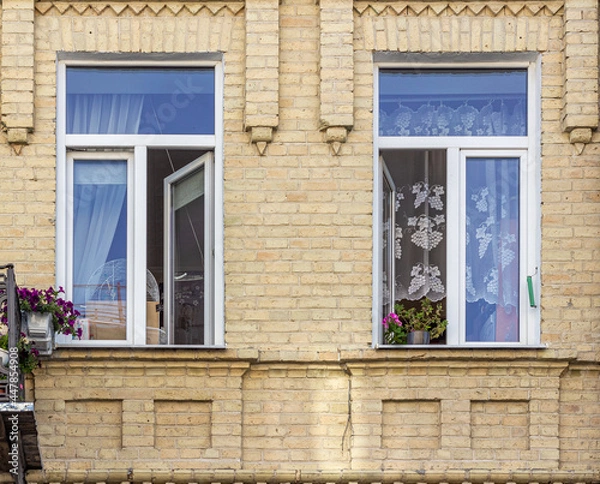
x=491, y=237
x=420, y=224
x=438, y=103
x=453, y=103
x=492, y=249
x=494, y=118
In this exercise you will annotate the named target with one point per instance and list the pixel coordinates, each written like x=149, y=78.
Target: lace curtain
x=492, y=238
x=492, y=248
x=420, y=224
x=455, y=103
x=463, y=102
x=470, y=118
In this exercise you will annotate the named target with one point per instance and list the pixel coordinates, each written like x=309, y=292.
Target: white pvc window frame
x=457, y=150
x=205, y=163
x=136, y=146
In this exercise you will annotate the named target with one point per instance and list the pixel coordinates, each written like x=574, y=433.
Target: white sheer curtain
x=104, y=113
x=100, y=189
x=100, y=186
x=492, y=265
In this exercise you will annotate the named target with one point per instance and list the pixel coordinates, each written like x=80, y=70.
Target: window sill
x=88, y=353
x=112, y=346
x=464, y=347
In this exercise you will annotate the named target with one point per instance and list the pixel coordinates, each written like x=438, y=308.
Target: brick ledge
x=314, y=477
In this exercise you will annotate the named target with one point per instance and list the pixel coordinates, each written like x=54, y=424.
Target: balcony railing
x=19, y=450
x=11, y=378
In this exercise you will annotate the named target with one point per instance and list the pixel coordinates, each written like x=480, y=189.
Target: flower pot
x=39, y=329
x=4, y=357
x=418, y=338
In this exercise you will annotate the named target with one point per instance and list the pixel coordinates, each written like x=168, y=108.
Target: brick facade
x=300, y=394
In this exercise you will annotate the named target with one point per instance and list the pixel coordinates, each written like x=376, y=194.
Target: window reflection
x=453, y=103
x=140, y=101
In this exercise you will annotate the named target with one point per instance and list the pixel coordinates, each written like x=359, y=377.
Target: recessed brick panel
x=500, y=425
x=411, y=425
x=92, y=425
x=183, y=425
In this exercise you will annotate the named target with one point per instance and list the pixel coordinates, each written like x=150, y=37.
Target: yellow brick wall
x=300, y=395
x=462, y=414
x=149, y=414
x=580, y=417
x=155, y=414
x=295, y=414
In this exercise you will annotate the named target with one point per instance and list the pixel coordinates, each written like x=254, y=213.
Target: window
x=456, y=208
x=138, y=242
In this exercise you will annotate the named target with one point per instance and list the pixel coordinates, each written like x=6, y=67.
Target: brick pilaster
x=17, y=70
x=580, y=108
x=337, y=70
x=262, y=70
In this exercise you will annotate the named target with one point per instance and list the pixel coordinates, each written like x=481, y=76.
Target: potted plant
x=28, y=355
x=414, y=325
x=394, y=330
x=13, y=386
x=44, y=313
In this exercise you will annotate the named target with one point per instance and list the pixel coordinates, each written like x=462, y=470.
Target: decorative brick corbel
x=579, y=137
x=261, y=136
x=335, y=136
x=17, y=138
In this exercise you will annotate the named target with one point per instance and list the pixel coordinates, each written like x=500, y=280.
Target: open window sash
x=188, y=253
x=389, y=224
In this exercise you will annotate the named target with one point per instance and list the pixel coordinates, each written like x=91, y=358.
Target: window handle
x=530, y=290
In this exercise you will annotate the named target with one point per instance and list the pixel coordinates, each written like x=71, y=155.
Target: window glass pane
x=492, y=249
x=420, y=223
x=418, y=240
x=452, y=103
x=188, y=259
x=163, y=163
x=140, y=100
x=100, y=247
x=387, y=244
